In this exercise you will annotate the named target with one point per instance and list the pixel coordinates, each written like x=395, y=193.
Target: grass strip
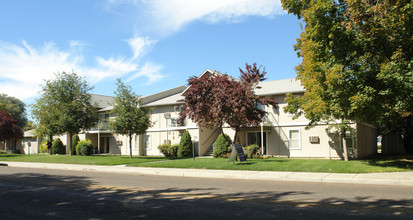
x=291, y=165
x=376, y=165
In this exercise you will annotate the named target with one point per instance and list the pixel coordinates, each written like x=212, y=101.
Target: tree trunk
x=235, y=136
x=51, y=144
x=233, y=143
x=130, y=146
x=344, y=142
x=70, y=144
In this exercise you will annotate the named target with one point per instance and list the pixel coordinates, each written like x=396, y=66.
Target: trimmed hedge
x=173, y=150
x=169, y=150
x=58, y=147
x=84, y=148
x=222, y=147
x=251, y=151
x=185, y=146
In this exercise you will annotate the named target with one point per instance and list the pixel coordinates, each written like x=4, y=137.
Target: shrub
x=164, y=149
x=84, y=148
x=43, y=147
x=3, y=152
x=185, y=146
x=58, y=147
x=251, y=151
x=169, y=150
x=173, y=150
x=222, y=147
x=75, y=141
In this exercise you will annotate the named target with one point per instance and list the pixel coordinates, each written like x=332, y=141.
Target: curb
x=393, y=178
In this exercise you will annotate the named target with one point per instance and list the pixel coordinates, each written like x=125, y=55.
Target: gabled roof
x=174, y=96
x=277, y=87
x=167, y=97
x=102, y=101
x=210, y=72
x=274, y=87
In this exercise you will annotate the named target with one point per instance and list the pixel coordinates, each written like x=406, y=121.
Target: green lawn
x=270, y=164
x=89, y=160
x=296, y=165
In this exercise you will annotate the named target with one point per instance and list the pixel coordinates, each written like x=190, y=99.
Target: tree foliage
x=15, y=107
x=58, y=147
x=215, y=99
x=64, y=106
x=75, y=141
x=185, y=145
x=131, y=117
x=84, y=148
x=222, y=146
x=9, y=128
x=357, y=61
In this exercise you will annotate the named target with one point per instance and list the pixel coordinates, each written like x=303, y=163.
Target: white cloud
x=140, y=46
x=24, y=68
x=169, y=16
x=151, y=71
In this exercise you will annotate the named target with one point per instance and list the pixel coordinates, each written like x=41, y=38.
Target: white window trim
x=299, y=138
x=150, y=141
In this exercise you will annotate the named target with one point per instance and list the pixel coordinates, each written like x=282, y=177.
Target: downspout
x=262, y=138
x=98, y=139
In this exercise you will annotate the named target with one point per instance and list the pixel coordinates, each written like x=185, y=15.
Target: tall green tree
x=64, y=106
x=357, y=62
x=131, y=118
x=15, y=107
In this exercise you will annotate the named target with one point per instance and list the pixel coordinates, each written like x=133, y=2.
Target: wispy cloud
x=150, y=70
x=168, y=16
x=24, y=68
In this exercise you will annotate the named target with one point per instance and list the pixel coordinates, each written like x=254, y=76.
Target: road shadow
x=41, y=196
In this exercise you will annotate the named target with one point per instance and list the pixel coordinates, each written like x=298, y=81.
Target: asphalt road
x=56, y=194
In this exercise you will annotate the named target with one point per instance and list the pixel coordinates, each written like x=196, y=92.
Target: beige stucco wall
x=29, y=145
x=167, y=131
x=207, y=137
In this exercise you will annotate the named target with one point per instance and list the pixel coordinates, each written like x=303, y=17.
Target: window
x=294, y=139
x=255, y=138
x=264, y=108
x=349, y=139
x=147, y=141
x=104, y=145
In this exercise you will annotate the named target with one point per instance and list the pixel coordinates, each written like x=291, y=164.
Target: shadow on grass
x=395, y=161
x=243, y=163
x=402, y=164
x=10, y=155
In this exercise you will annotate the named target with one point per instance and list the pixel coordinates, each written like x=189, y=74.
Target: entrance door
x=255, y=138
x=104, y=145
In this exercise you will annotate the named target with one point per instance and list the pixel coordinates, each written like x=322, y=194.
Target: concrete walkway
x=393, y=178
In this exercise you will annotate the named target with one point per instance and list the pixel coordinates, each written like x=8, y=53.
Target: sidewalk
x=394, y=178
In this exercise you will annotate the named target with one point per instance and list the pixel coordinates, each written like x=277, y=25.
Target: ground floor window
x=349, y=139
x=104, y=145
x=294, y=139
x=255, y=138
x=147, y=141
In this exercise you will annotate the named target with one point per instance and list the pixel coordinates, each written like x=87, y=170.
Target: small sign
x=237, y=152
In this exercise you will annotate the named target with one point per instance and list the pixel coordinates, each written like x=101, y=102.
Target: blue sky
x=152, y=45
